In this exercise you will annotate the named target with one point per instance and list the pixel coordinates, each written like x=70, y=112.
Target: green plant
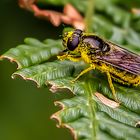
x=88, y=114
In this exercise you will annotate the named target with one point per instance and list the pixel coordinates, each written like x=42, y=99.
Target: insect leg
x=111, y=86
x=70, y=57
x=73, y=58
x=84, y=71
x=63, y=57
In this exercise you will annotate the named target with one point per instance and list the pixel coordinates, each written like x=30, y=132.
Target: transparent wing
x=122, y=59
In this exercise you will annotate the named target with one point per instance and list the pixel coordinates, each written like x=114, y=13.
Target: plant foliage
x=89, y=114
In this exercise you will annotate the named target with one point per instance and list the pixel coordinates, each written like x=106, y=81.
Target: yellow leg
x=111, y=86
x=84, y=71
x=70, y=57
x=63, y=57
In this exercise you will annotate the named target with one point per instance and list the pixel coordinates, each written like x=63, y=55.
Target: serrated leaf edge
x=14, y=75
x=56, y=117
x=11, y=60
x=57, y=87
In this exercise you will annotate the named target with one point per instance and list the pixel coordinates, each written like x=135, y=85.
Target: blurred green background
x=25, y=110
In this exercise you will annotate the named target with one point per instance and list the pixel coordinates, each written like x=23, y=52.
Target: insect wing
x=121, y=59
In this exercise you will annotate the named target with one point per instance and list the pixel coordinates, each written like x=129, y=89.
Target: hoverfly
x=118, y=63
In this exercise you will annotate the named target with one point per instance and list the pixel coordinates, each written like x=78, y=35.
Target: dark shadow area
x=25, y=110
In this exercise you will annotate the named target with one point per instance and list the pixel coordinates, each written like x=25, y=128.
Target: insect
x=118, y=63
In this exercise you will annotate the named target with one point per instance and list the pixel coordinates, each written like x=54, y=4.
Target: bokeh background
x=25, y=110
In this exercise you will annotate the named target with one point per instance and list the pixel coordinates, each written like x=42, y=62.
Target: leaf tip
x=55, y=116
x=54, y=88
x=137, y=124
x=11, y=60
x=14, y=75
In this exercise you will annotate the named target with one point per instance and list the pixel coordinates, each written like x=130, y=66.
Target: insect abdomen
x=119, y=75
x=127, y=79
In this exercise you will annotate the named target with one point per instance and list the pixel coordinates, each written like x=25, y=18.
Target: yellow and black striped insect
x=118, y=63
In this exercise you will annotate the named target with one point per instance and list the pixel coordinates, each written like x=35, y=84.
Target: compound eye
x=73, y=43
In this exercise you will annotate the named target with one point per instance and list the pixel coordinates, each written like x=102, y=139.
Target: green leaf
x=90, y=113
x=33, y=52
x=86, y=114
x=76, y=113
x=43, y=72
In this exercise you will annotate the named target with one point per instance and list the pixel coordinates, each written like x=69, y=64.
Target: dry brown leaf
x=106, y=101
x=135, y=11
x=69, y=16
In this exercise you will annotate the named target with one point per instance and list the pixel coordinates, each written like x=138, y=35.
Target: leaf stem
x=89, y=15
x=92, y=109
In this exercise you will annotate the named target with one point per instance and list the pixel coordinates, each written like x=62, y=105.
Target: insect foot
x=63, y=57
x=74, y=80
